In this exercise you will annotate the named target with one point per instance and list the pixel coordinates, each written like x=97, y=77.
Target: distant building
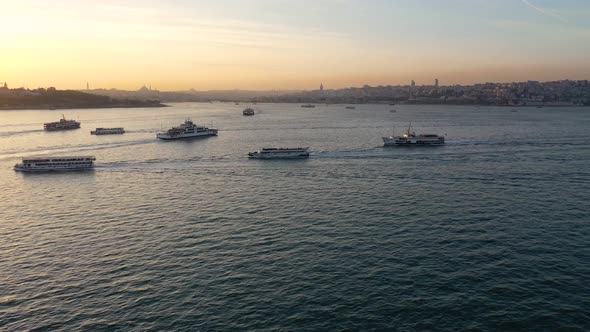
x=413, y=83
x=321, y=87
x=436, y=82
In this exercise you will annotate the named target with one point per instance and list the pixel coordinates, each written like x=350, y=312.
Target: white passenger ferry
x=280, y=153
x=48, y=164
x=187, y=130
x=409, y=138
x=62, y=124
x=107, y=131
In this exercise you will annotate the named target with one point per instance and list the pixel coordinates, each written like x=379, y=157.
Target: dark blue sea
x=490, y=232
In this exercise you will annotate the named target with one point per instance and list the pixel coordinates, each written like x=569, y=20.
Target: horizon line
x=148, y=87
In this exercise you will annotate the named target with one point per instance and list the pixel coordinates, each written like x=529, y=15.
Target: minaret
x=412, y=86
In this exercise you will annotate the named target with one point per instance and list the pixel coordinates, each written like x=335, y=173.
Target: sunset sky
x=288, y=44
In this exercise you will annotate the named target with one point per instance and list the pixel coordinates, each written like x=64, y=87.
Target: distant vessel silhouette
x=48, y=164
x=410, y=138
x=186, y=130
x=108, y=131
x=280, y=153
x=62, y=124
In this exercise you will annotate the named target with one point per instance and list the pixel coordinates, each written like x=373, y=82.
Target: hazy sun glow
x=270, y=44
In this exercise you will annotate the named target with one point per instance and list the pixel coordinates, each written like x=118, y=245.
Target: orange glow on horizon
x=110, y=45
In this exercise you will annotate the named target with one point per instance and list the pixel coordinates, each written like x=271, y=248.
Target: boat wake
x=375, y=152
x=143, y=131
x=565, y=141
x=15, y=154
x=21, y=132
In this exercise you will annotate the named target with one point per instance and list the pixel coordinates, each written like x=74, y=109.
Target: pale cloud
x=545, y=11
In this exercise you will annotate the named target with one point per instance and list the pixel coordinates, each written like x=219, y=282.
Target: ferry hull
x=47, y=170
x=99, y=133
x=280, y=153
x=388, y=141
x=62, y=128
x=167, y=137
x=256, y=156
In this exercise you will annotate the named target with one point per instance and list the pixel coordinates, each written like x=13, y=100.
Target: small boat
x=280, y=153
x=393, y=111
x=62, y=124
x=409, y=138
x=248, y=112
x=54, y=164
x=308, y=106
x=186, y=130
x=107, y=131
x=350, y=107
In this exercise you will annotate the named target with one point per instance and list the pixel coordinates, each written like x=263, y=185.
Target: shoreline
x=55, y=108
x=161, y=105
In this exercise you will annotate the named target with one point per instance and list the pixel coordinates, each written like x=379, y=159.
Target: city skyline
x=261, y=45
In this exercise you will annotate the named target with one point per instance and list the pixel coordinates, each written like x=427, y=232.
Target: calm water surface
x=490, y=232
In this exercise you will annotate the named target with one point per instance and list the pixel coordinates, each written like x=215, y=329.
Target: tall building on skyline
x=436, y=82
x=321, y=86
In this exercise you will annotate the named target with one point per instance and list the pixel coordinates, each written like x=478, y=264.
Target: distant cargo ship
x=410, y=138
x=62, y=124
x=308, y=106
x=187, y=130
x=48, y=164
x=107, y=131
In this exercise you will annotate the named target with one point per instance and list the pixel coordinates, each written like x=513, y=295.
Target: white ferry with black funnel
x=55, y=164
x=280, y=153
x=62, y=124
x=410, y=138
x=188, y=129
